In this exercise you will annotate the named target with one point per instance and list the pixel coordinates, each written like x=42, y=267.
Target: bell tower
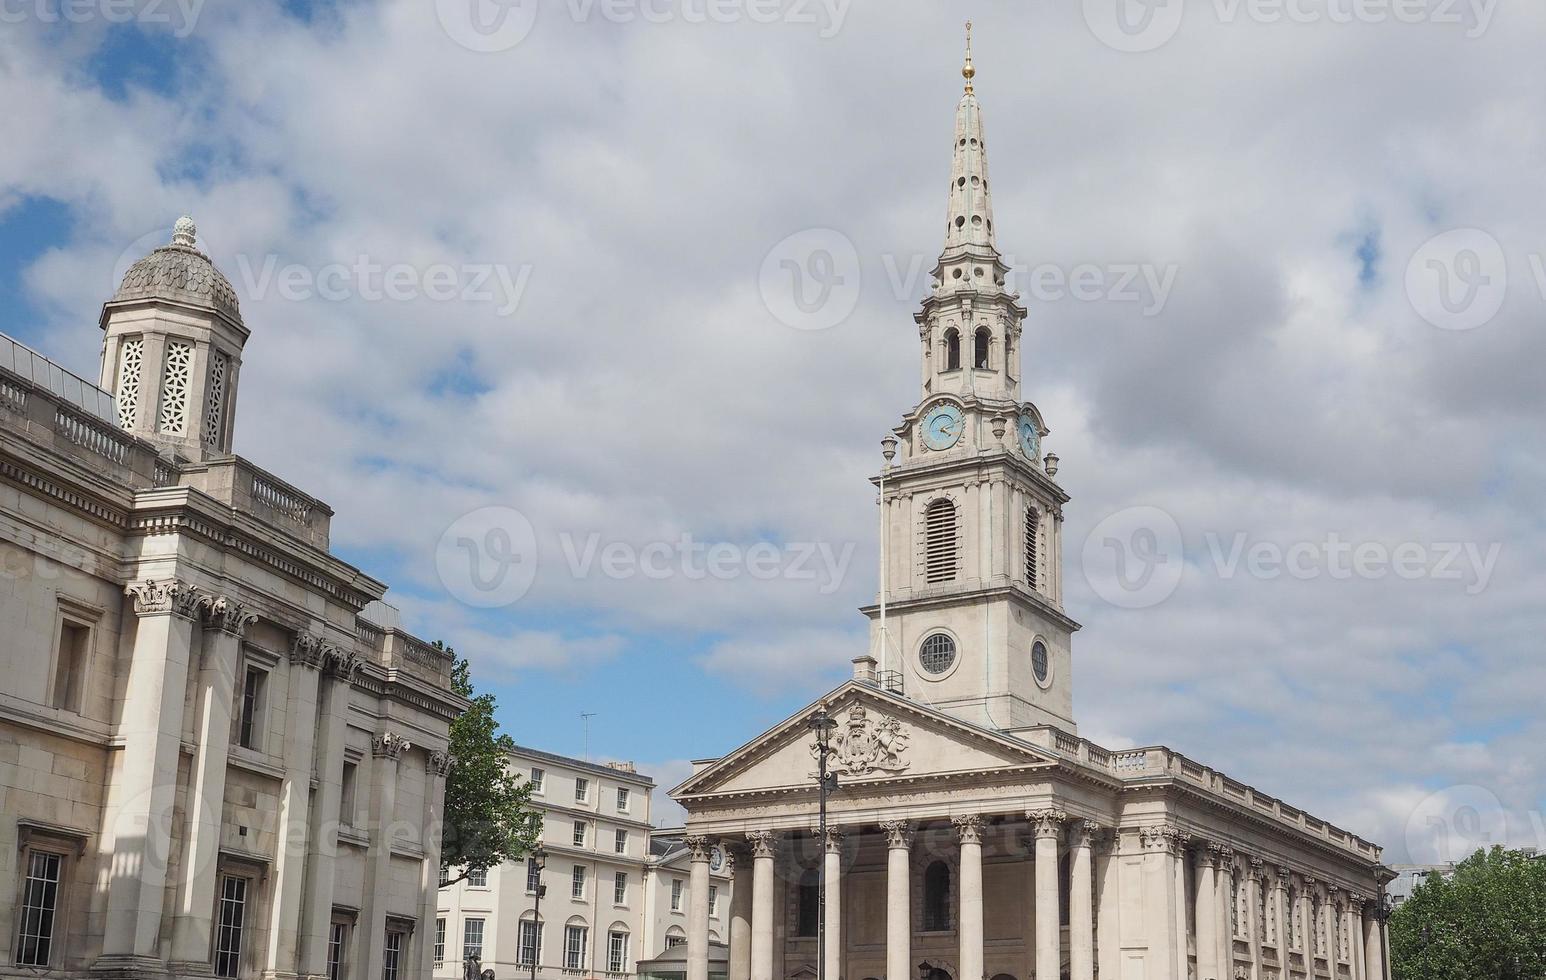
x=970, y=617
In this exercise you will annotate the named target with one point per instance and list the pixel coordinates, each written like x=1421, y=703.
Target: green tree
x=1486, y=922
x=488, y=815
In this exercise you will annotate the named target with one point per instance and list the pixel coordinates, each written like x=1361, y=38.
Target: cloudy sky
x=521, y=281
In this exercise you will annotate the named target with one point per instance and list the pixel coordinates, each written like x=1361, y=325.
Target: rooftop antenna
x=585, y=717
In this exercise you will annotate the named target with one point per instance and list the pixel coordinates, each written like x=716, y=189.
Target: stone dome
x=182, y=273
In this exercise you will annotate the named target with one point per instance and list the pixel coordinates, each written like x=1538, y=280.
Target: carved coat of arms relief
x=866, y=745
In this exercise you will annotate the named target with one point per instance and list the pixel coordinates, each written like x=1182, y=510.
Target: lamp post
x=822, y=724
x=539, y=857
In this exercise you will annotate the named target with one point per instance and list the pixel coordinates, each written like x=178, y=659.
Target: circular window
x=1039, y=661
x=937, y=653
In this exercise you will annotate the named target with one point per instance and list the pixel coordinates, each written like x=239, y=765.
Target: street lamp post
x=539, y=857
x=822, y=724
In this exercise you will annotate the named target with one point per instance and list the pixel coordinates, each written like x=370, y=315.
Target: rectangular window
x=250, y=731
x=620, y=843
x=617, y=952
x=472, y=940
x=579, y=833
x=620, y=888
x=337, y=942
x=622, y=799
x=230, y=923
x=530, y=948
x=713, y=900
x=346, y=794
x=575, y=938
x=533, y=876
x=478, y=878
x=577, y=883
x=676, y=894
x=70, y=666
x=538, y=779
x=392, y=961
x=581, y=789
x=39, y=909
x=440, y=941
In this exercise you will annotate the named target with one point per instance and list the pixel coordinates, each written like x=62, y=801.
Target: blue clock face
x=1030, y=437
x=942, y=427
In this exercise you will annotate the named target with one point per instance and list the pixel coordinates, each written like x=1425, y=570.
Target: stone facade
x=218, y=754
x=605, y=872
x=973, y=834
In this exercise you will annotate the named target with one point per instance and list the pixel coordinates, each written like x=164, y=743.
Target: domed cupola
x=172, y=351
x=179, y=272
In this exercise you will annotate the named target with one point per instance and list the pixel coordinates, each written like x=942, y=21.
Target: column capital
x=968, y=827
x=834, y=840
x=700, y=847
x=1047, y=823
x=1255, y=869
x=1085, y=832
x=161, y=597
x=440, y=764
x=764, y=843
x=1284, y=873
x=307, y=650
x=388, y=745
x=227, y=615
x=1223, y=856
x=899, y=834
x=340, y=663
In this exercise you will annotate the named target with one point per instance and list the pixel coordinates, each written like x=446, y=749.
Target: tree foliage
x=488, y=815
x=1487, y=922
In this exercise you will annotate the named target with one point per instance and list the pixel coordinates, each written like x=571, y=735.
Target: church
x=973, y=834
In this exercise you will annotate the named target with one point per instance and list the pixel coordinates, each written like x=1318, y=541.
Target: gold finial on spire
x=967, y=71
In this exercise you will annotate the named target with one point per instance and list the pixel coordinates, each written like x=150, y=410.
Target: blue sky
x=606, y=197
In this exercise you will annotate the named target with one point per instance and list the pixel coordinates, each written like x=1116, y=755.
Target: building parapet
x=1158, y=760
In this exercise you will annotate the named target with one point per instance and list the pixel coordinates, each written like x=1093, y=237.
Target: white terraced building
x=219, y=754
x=615, y=890
x=974, y=834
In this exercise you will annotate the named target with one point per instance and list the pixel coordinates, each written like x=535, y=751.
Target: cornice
x=986, y=592
x=944, y=465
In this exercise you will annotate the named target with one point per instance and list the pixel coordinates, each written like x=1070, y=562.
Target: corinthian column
x=1081, y=923
x=386, y=750
x=969, y=828
x=1205, y=915
x=832, y=871
x=1253, y=916
x=740, y=912
x=1224, y=901
x=699, y=849
x=338, y=670
x=214, y=692
x=437, y=766
x=899, y=926
x=1047, y=826
x=137, y=820
x=282, y=954
x=764, y=845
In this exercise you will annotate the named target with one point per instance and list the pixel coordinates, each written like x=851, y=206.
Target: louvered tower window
x=1032, y=543
x=939, y=550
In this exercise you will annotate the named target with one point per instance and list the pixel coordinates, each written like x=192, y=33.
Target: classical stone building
x=616, y=890
x=218, y=752
x=974, y=834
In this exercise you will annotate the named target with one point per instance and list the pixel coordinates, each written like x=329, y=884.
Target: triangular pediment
x=879, y=737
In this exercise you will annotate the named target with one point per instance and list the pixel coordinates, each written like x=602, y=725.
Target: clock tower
x=970, y=615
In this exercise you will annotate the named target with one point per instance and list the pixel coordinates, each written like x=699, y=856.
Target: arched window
x=936, y=897
x=939, y=542
x=952, y=350
x=810, y=897
x=980, y=349
x=1032, y=545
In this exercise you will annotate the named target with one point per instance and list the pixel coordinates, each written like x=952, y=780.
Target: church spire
x=971, y=206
